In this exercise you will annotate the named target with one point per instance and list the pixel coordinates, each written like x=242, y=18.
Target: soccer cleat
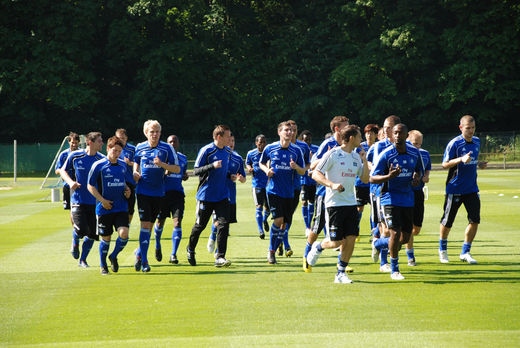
x=397, y=276
x=411, y=263
x=358, y=238
x=342, y=278
x=266, y=226
x=271, y=258
x=467, y=258
x=262, y=235
x=104, y=270
x=385, y=268
x=222, y=262
x=137, y=264
x=280, y=250
x=288, y=253
x=83, y=263
x=158, y=255
x=306, y=267
x=191, y=258
x=375, y=252
x=211, y=246
x=146, y=268
x=173, y=259
x=349, y=269
x=74, y=250
x=443, y=256
x=114, y=265
x=314, y=254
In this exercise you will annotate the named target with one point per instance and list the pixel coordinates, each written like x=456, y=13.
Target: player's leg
x=418, y=217
x=122, y=227
x=224, y=217
x=275, y=239
x=88, y=223
x=165, y=211
x=203, y=214
x=105, y=225
x=178, y=214
x=451, y=206
x=472, y=205
x=257, y=198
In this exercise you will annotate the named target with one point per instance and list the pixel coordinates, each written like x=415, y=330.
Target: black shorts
x=308, y=193
x=318, y=221
x=131, y=200
x=280, y=207
x=232, y=213
x=398, y=218
x=84, y=220
x=108, y=222
x=452, y=203
x=362, y=195
x=172, y=205
x=418, y=207
x=375, y=209
x=260, y=197
x=149, y=207
x=205, y=209
x=66, y=197
x=342, y=221
x=295, y=201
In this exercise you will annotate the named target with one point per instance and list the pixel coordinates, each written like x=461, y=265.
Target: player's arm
x=137, y=171
x=66, y=177
x=105, y=202
x=295, y=166
x=382, y=178
x=455, y=161
x=365, y=177
x=320, y=178
x=172, y=168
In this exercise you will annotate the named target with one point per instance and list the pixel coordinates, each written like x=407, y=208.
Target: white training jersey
x=341, y=167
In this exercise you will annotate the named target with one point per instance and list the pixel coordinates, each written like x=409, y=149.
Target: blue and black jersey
x=306, y=158
x=425, y=155
x=365, y=148
x=236, y=166
x=110, y=179
x=173, y=181
x=259, y=177
x=129, y=152
x=79, y=162
x=462, y=178
x=152, y=176
x=212, y=181
x=306, y=179
x=62, y=157
x=282, y=182
x=398, y=191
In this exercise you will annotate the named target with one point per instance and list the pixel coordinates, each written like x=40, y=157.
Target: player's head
x=152, y=131
x=294, y=127
x=306, y=136
x=121, y=134
x=73, y=141
x=114, y=147
x=285, y=131
x=221, y=135
x=467, y=126
x=232, y=142
x=350, y=134
x=381, y=134
x=399, y=133
x=173, y=140
x=337, y=123
x=371, y=131
x=389, y=124
x=415, y=137
x=95, y=141
x=260, y=142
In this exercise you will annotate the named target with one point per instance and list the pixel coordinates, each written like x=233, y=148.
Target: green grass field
x=45, y=299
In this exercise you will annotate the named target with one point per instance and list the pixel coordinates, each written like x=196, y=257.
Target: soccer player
x=212, y=165
x=172, y=204
x=397, y=168
x=73, y=140
x=318, y=223
x=127, y=155
x=236, y=172
x=83, y=204
x=107, y=182
x=152, y=159
x=363, y=189
x=416, y=138
x=337, y=171
x=461, y=158
x=308, y=185
x=259, y=182
x=284, y=159
x=380, y=232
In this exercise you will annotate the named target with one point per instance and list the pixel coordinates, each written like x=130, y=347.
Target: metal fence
x=35, y=159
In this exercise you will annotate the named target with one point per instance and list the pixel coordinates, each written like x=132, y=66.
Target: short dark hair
x=92, y=136
x=121, y=131
x=467, y=118
x=284, y=124
x=113, y=141
x=305, y=133
x=220, y=130
x=371, y=127
x=258, y=137
x=394, y=119
x=349, y=131
x=336, y=121
x=73, y=136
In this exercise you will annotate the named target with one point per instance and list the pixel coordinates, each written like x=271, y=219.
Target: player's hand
x=293, y=164
x=127, y=161
x=466, y=158
x=137, y=176
x=250, y=170
x=270, y=173
x=107, y=204
x=127, y=192
x=482, y=164
x=185, y=176
x=394, y=171
x=337, y=187
x=233, y=177
x=416, y=180
x=217, y=164
x=241, y=178
x=363, y=155
x=75, y=185
x=157, y=161
x=426, y=179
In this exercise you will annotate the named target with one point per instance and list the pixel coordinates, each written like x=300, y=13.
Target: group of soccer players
x=333, y=181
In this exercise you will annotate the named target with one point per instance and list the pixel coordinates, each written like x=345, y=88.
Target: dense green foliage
x=98, y=65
